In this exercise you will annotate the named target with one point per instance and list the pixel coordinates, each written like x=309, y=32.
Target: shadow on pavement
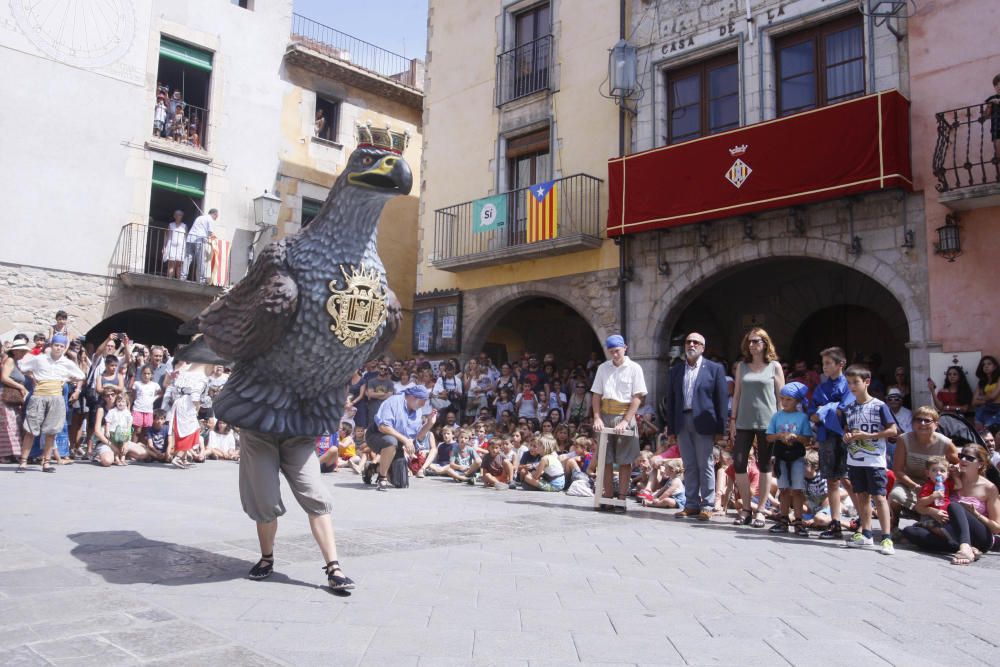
x=126, y=557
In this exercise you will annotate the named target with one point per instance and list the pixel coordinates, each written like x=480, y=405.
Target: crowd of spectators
x=66, y=400
x=176, y=120
x=529, y=424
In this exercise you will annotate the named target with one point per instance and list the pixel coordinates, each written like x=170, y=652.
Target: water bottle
x=939, y=487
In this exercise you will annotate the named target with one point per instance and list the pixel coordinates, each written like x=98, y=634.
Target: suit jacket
x=708, y=403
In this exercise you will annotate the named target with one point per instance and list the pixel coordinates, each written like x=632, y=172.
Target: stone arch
x=144, y=325
x=681, y=291
x=484, y=309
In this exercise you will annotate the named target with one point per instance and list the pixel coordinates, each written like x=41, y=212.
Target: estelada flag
x=543, y=211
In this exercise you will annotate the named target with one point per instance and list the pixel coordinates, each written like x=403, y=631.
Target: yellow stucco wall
x=461, y=124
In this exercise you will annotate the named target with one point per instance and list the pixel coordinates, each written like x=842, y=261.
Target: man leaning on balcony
x=198, y=236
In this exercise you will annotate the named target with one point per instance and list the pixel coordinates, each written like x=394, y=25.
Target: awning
x=186, y=54
x=180, y=180
x=857, y=146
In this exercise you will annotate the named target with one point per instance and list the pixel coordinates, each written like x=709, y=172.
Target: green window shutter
x=186, y=54
x=310, y=209
x=178, y=180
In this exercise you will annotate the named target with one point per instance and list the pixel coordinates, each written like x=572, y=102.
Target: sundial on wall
x=84, y=33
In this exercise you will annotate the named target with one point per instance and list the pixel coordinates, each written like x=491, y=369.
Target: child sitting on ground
x=936, y=492
x=464, y=459
x=548, y=475
x=158, y=438
x=789, y=431
x=817, y=505
x=220, y=443
x=498, y=472
x=441, y=462
x=671, y=493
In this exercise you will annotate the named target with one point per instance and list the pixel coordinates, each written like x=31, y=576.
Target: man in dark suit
x=696, y=414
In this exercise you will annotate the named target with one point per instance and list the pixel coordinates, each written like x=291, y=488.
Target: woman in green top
x=759, y=380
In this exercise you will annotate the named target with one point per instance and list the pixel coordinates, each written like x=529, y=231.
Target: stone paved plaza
x=146, y=565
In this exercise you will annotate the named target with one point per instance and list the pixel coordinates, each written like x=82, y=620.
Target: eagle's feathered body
x=291, y=371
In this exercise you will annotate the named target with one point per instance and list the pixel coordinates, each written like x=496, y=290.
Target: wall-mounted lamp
x=623, y=72
x=949, y=243
x=703, y=235
x=798, y=216
x=748, y=234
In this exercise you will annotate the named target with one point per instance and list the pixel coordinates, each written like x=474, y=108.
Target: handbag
x=12, y=396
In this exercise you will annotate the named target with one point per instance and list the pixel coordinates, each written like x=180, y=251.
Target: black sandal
x=337, y=582
x=22, y=466
x=743, y=521
x=263, y=569
x=47, y=467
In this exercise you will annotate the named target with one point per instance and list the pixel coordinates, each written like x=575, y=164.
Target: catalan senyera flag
x=543, y=211
x=220, y=262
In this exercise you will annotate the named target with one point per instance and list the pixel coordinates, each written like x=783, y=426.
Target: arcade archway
x=805, y=305
x=150, y=327
x=541, y=325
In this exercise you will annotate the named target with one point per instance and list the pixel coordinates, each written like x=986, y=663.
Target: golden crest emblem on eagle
x=359, y=309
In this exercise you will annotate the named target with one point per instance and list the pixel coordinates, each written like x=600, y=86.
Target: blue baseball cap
x=614, y=340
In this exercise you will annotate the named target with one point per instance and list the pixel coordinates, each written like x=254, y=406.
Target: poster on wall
x=423, y=329
x=940, y=362
x=446, y=326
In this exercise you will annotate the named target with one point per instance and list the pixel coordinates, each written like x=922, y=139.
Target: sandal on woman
x=47, y=467
x=22, y=466
x=758, y=521
x=337, y=582
x=743, y=520
x=263, y=569
x=780, y=527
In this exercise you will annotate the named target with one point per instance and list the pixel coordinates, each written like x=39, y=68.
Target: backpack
x=399, y=472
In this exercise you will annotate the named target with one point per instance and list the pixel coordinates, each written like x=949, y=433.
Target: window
x=703, y=99
x=310, y=209
x=820, y=66
x=528, y=162
x=245, y=4
x=525, y=68
x=437, y=324
x=327, y=119
x=182, y=86
x=173, y=189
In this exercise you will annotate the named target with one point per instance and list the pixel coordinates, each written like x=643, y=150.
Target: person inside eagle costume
x=313, y=307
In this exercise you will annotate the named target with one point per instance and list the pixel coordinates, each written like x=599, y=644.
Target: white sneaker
x=178, y=463
x=859, y=540
x=885, y=547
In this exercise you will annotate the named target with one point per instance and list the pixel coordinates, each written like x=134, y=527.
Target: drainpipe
x=624, y=272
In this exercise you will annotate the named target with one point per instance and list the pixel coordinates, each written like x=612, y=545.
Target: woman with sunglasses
x=910, y=459
x=973, y=515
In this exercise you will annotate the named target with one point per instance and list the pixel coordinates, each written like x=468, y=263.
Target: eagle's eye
x=367, y=160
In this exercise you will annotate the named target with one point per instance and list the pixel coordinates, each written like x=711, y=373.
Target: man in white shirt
x=198, y=236
x=45, y=413
x=617, y=392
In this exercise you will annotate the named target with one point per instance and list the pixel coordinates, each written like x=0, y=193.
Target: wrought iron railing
x=339, y=45
x=577, y=207
x=524, y=70
x=966, y=153
x=189, y=126
x=156, y=251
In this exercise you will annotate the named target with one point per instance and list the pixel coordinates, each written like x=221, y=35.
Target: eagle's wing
x=394, y=316
x=248, y=320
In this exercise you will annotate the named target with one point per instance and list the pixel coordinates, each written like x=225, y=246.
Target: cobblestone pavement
x=146, y=565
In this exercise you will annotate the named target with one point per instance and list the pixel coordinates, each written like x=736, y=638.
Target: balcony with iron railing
x=329, y=52
x=524, y=70
x=157, y=258
x=967, y=157
x=573, y=217
x=184, y=132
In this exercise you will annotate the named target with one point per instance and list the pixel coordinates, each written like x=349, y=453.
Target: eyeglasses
x=756, y=341
x=696, y=343
x=923, y=421
x=894, y=398
x=968, y=457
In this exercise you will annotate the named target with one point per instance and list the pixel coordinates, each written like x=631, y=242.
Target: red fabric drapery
x=855, y=146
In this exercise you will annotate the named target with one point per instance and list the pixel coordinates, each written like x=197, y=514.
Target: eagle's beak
x=389, y=173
